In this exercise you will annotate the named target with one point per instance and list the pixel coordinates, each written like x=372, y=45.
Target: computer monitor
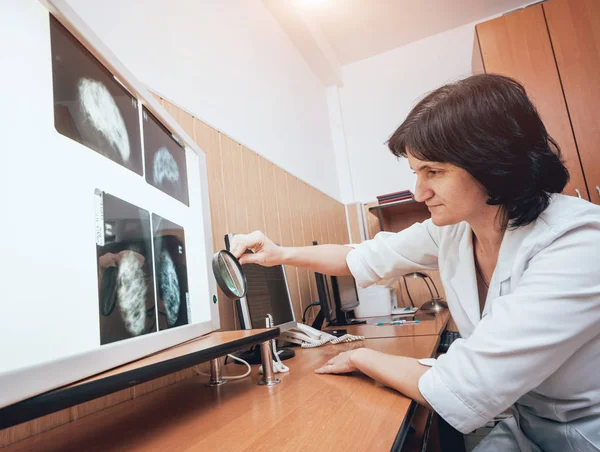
x=267, y=293
x=326, y=300
x=345, y=295
x=345, y=292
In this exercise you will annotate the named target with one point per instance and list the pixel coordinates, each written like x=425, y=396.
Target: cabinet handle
x=598, y=189
x=578, y=193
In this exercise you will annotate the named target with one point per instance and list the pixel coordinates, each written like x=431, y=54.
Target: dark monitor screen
x=326, y=297
x=345, y=292
x=267, y=294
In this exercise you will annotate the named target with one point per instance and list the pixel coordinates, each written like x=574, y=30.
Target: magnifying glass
x=229, y=275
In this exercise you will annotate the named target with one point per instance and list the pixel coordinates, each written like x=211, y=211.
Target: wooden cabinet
x=553, y=49
x=518, y=45
x=399, y=215
x=574, y=27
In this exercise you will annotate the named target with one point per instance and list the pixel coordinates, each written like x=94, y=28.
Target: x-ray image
x=165, y=159
x=171, y=273
x=90, y=106
x=125, y=281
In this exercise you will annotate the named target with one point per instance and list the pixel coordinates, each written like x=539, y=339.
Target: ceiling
x=346, y=31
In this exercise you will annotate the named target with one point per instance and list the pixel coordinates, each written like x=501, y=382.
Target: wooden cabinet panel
x=476, y=60
x=575, y=33
x=253, y=196
x=209, y=141
x=282, y=203
x=268, y=187
x=26, y=429
x=233, y=186
x=315, y=210
x=342, y=224
x=371, y=221
x=518, y=45
x=297, y=240
x=327, y=233
x=183, y=118
x=306, y=284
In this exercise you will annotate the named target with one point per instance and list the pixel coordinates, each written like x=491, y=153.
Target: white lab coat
x=538, y=340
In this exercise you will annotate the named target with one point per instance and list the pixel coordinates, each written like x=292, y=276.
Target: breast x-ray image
x=125, y=276
x=171, y=273
x=165, y=159
x=90, y=106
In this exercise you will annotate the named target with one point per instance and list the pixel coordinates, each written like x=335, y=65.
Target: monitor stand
x=318, y=321
x=320, y=318
x=253, y=356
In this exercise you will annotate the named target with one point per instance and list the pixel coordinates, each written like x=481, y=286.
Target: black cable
x=316, y=303
x=408, y=292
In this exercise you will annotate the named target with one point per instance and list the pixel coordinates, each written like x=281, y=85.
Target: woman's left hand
x=341, y=364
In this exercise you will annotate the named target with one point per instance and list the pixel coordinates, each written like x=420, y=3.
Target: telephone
x=309, y=337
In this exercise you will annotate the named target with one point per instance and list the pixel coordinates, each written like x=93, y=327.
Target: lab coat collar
x=464, y=280
x=511, y=242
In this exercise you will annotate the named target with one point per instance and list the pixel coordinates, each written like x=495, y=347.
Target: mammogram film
x=126, y=306
x=90, y=106
x=171, y=273
x=166, y=167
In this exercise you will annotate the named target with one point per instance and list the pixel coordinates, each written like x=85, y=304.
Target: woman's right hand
x=266, y=253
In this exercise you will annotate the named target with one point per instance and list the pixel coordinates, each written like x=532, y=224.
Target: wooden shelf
x=171, y=360
x=392, y=204
x=398, y=215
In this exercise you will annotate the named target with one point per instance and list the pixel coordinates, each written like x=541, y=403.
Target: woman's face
x=451, y=193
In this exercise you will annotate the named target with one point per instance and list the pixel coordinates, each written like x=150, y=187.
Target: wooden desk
x=430, y=325
x=305, y=411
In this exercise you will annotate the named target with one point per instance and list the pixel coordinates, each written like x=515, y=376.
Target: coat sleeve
x=390, y=255
x=527, y=336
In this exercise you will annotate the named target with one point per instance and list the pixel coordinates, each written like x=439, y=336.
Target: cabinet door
x=518, y=45
x=575, y=33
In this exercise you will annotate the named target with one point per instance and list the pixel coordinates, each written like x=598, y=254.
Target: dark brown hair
x=487, y=125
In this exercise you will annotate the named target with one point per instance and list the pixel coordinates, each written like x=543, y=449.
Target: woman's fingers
x=242, y=242
x=237, y=247
x=251, y=259
x=339, y=365
x=323, y=369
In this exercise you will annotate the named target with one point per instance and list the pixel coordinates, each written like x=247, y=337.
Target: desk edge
x=68, y=396
x=404, y=428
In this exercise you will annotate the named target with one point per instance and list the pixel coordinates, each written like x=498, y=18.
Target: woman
x=518, y=261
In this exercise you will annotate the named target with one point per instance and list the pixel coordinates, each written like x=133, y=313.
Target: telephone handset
x=302, y=333
x=309, y=337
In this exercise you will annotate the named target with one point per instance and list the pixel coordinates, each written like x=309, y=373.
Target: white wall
x=377, y=95
x=340, y=147
x=231, y=65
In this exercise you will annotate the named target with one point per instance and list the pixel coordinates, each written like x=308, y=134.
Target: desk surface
x=305, y=411
x=430, y=325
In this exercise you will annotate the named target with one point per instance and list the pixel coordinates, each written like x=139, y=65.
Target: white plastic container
x=375, y=301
